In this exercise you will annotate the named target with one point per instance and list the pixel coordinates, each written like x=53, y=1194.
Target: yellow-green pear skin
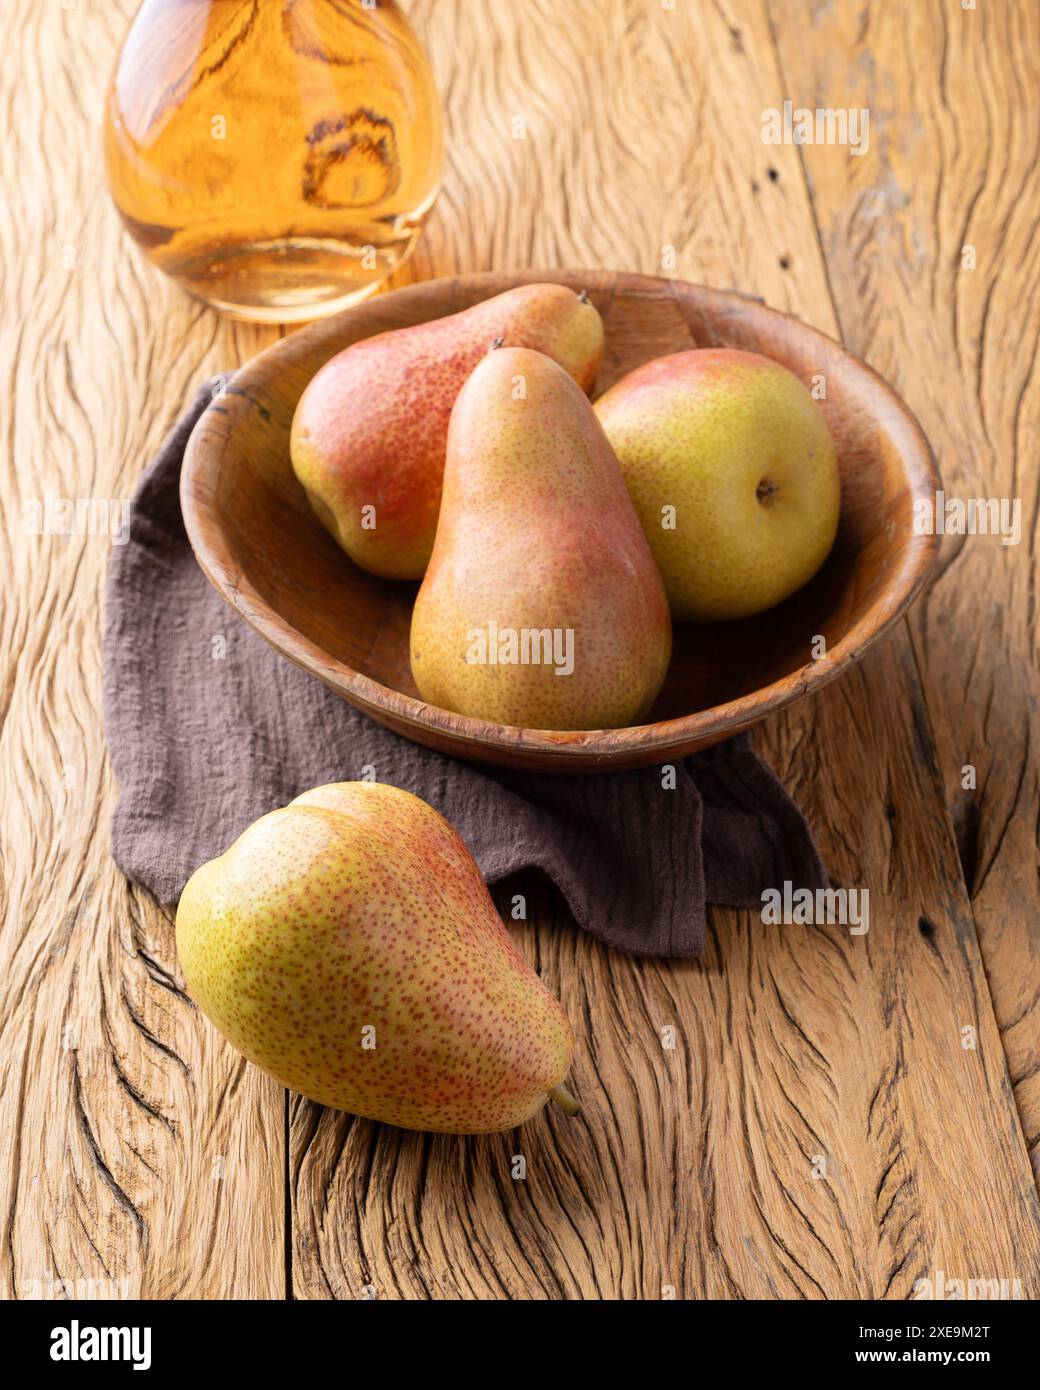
x=542, y=607
x=348, y=945
x=734, y=474
x=369, y=433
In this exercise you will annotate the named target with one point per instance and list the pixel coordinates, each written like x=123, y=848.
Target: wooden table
x=840, y=1115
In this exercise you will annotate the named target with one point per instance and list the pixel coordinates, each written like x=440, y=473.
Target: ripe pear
x=369, y=434
x=734, y=474
x=348, y=945
x=542, y=607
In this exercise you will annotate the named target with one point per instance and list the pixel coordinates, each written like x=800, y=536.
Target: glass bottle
x=278, y=158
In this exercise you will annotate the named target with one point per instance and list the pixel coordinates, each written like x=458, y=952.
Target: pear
x=369, y=433
x=734, y=474
x=348, y=945
x=541, y=607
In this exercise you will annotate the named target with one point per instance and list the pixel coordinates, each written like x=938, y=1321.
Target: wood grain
x=692, y=1168
x=953, y=165
x=140, y=1155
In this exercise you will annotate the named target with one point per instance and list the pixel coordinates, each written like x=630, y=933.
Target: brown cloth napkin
x=209, y=728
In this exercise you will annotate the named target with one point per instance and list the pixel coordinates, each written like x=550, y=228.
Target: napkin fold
x=209, y=728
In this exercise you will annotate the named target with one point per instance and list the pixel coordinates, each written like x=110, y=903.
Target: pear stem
x=565, y=1100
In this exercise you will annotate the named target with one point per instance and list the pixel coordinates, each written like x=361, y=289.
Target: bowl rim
x=649, y=740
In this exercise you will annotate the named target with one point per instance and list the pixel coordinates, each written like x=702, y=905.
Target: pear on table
x=348, y=945
x=369, y=434
x=541, y=607
x=734, y=474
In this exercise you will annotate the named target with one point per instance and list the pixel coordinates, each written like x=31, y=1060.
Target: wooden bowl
x=257, y=539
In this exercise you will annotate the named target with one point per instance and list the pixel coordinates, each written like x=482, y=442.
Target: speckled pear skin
x=537, y=532
x=371, y=428
x=734, y=443
x=358, y=905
